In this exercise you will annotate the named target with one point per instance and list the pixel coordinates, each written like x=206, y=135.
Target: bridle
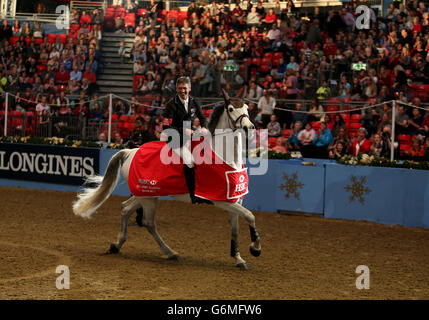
x=238, y=120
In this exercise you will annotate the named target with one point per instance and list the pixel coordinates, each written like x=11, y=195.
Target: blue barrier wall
x=383, y=195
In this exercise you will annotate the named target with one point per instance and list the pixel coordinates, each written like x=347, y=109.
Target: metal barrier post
x=392, y=147
x=6, y=106
x=109, y=134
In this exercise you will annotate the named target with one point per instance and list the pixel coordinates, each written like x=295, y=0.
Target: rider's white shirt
x=185, y=103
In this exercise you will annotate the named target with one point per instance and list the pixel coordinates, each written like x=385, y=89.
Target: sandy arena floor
x=302, y=257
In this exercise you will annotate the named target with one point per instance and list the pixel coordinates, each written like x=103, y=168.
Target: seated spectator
x=27, y=32
x=378, y=147
x=76, y=74
x=255, y=91
x=416, y=150
x=274, y=129
x=299, y=116
x=141, y=134
x=62, y=76
x=280, y=145
x=96, y=112
x=338, y=124
x=360, y=145
x=307, y=135
x=122, y=51
x=402, y=121
x=16, y=29
x=293, y=142
x=270, y=17
x=102, y=140
x=42, y=106
x=416, y=123
x=253, y=17
x=266, y=105
x=338, y=151
x=316, y=112
x=43, y=125
x=88, y=74
x=356, y=89
x=73, y=87
x=38, y=31
x=324, y=92
x=322, y=140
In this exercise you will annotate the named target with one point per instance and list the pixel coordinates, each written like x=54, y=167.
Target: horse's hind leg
x=128, y=207
x=150, y=205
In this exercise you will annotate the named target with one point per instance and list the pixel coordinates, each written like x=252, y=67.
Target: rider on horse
x=182, y=109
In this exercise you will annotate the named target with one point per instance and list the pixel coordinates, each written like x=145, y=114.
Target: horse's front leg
x=255, y=246
x=235, y=253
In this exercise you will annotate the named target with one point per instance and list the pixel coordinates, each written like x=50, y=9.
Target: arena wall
x=383, y=195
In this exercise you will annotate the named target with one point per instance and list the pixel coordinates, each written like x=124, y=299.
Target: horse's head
x=237, y=112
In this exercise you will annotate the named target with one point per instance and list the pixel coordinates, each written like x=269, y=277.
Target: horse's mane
x=214, y=118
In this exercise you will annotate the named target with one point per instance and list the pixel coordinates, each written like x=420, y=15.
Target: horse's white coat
x=91, y=199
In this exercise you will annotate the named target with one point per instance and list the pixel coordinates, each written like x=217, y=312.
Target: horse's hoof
x=243, y=266
x=175, y=257
x=254, y=252
x=113, y=249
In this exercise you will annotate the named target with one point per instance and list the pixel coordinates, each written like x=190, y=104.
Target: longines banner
x=59, y=165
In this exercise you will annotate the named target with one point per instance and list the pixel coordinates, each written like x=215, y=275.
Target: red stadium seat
x=403, y=148
x=272, y=142
x=354, y=126
x=256, y=61
x=315, y=125
x=266, y=61
x=62, y=37
x=51, y=37
x=264, y=68
x=277, y=55
x=13, y=40
x=286, y=133
x=268, y=55
x=41, y=68
x=404, y=138
x=346, y=117
x=275, y=62
x=130, y=20
x=355, y=118
x=123, y=118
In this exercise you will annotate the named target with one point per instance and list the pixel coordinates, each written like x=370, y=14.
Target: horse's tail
x=92, y=198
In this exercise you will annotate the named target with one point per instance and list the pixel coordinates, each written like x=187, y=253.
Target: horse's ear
x=225, y=97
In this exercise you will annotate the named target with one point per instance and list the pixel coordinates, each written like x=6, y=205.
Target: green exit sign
x=358, y=66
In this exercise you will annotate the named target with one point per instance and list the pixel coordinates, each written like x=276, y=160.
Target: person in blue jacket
x=322, y=141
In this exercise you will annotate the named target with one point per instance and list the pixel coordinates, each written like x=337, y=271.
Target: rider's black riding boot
x=190, y=182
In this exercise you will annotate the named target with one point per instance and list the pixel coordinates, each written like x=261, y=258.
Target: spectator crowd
x=283, y=55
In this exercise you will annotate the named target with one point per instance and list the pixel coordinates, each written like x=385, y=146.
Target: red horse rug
x=214, y=179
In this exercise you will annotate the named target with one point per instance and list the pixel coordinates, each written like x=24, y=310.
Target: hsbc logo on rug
x=151, y=182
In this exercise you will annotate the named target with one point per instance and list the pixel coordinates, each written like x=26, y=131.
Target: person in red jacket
x=361, y=144
x=330, y=48
x=85, y=18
